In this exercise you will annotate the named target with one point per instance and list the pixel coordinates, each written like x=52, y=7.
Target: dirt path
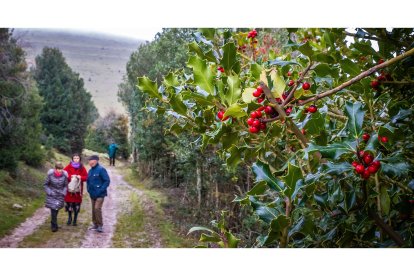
x=35, y=231
x=26, y=228
x=110, y=211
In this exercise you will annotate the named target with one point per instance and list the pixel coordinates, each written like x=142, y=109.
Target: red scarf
x=58, y=174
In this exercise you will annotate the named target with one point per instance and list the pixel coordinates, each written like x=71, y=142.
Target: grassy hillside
x=99, y=59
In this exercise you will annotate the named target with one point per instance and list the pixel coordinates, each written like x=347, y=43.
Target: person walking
x=73, y=197
x=55, y=188
x=112, y=153
x=97, y=184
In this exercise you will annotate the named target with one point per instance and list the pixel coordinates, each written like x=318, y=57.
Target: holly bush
x=326, y=123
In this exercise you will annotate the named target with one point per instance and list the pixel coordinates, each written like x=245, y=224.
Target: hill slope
x=99, y=59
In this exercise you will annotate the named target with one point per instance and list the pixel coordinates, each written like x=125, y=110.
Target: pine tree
x=20, y=105
x=68, y=108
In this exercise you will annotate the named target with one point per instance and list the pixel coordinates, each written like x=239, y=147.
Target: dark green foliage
x=20, y=106
x=68, y=108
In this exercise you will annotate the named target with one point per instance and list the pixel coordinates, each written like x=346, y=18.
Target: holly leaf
x=247, y=95
x=279, y=84
x=171, y=80
x=306, y=49
x=349, y=67
x=177, y=104
x=294, y=174
x=235, y=111
x=394, y=167
x=232, y=241
x=229, y=56
x=234, y=91
x=148, y=86
x=255, y=70
x=275, y=230
x=203, y=75
x=333, y=151
x=258, y=189
x=355, y=115
x=263, y=173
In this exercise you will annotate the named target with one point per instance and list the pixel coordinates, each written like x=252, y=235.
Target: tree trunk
x=199, y=183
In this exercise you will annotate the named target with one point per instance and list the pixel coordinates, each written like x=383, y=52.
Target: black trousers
x=111, y=161
x=72, y=207
x=53, y=221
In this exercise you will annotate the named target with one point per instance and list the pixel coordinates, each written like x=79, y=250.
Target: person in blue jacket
x=97, y=185
x=112, y=153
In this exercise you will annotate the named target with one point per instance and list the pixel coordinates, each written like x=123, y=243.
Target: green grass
x=170, y=237
x=130, y=231
x=26, y=190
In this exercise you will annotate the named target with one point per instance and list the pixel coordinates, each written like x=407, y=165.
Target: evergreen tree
x=20, y=106
x=68, y=108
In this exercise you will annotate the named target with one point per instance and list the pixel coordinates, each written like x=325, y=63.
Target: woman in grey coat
x=55, y=187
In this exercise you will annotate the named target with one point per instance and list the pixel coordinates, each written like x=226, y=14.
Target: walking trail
x=117, y=201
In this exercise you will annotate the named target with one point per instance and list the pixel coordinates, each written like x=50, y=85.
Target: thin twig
x=359, y=77
x=292, y=92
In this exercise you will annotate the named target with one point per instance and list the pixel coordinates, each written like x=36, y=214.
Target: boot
x=69, y=218
x=75, y=218
x=54, y=225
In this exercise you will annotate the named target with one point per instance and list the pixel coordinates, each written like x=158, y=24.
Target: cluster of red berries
x=221, y=69
x=375, y=84
x=221, y=116
x=368, y=166
x=366, y=137
x=254, y=121
x=252, y=34
x=311, y=109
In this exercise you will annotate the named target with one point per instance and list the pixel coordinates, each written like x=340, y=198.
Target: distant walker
x=112, y=153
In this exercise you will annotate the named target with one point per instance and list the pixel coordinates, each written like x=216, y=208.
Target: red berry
x=220, y=115
x=253, y=129
x=381, y=78
x=384, y=139
x=268, y=110
x=375, y=84
x=365, y=136
x=289, y=73
x=284, y=96
x=256, y=123
x=250, y=121
x=260, y=100
x=361, y=153
x=376, y=163
x=257, y=93
x=368, y=159
x=263, y=126
x=372, y=169
x=221, y=69
x=279, y=100
x=261, y=108
x=359, y=169
x=312, y=109
x=258, y=114
x=306, y=86
x=253, y=114
x=260, y=89
x=303, y=131
x=288, y=110
x=291, y=82
x=354, y=164
x=380, y=61
x=366, y=174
